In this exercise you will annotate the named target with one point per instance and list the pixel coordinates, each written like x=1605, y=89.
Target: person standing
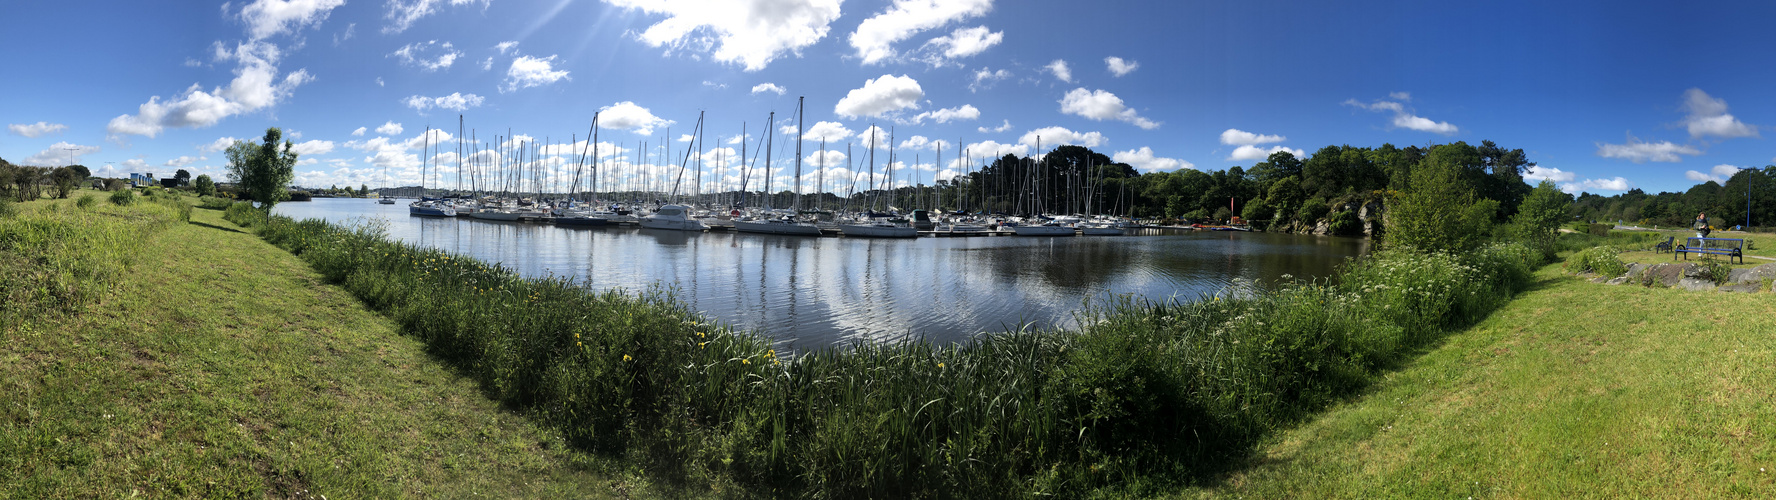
x=1702, y=225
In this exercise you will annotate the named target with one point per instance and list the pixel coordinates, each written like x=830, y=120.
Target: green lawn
x=1575, y=389
x=223, y=366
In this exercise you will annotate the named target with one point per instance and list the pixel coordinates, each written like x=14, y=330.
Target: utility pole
x=71, y=154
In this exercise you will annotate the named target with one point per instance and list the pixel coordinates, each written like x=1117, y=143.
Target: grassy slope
x=1573, y=389
x=224, y=367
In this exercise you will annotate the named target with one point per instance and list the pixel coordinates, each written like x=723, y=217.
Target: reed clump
x=1144, y=394
x=57, y=259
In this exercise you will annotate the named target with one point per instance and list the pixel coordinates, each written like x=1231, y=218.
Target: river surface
x=810, y=292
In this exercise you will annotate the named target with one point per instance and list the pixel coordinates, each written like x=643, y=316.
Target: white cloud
x=1616, y=184
x=921, y=142
x=1403, y=118
x=882, y=95
x=748, y=33
x=414, y=54
x=389, y=128
x=964, y=42
x=768, y=87
x=829, y=131
x=487, y=64
x=359, y=132
x=717, y=86
x=265, y=18
x=402, y=14
x=628, y=116
x=456, y=101
x=58, y=154
x=1237, y=137
x=1102, y=105
x=1719, y=174
x=993, y=149
x=1119, y=66
x=686, y=138
x=181, y=161
x=1060, y=70
x=217, y=145
x=1641, y=152
x=875, y=37
x=1143, y=159
x=946, y=115
x=35, y=130
x=1708, y=116
x=507, y=46
x=984, y=78
x=527, y=71
x=351, y=30
x=315, y=147
x=1250, y=152
x=994, y=130
x=1539, y=173
x=1400, y=96
x=379, y=82
x=256, y=86
x=1056, y=136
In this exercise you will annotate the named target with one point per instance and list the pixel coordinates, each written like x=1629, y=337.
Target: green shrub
x=1717, y=270
x=214, y=203
x=1602, y=260
x=244, y=214
x=1599, y=229
x=123, y=197
x=7, y=209
x=1312, y=211
x=86, y=201
x=1439, y=211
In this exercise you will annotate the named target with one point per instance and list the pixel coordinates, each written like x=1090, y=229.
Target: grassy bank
x=1575, y=389
x=207, y=363
x=1146, y=396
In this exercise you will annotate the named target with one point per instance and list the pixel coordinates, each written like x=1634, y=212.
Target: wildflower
x=576, y=336
x=577, y=344
x=746, y=361
x=940, y=364
x=701, y=344
x=627, y=358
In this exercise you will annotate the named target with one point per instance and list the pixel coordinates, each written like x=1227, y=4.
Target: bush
x=7, y=209
x=214, y=203
x=244, y=214
x=1346, y=223
x=123, y=198
x=1312, y=211
x=86, y=201
x=1603, y=260
x=1439, y=211
x=1599, y=229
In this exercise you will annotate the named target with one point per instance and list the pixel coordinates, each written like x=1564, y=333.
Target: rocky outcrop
x=1695, y=277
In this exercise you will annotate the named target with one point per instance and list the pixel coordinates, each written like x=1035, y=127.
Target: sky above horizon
x=1603, y=96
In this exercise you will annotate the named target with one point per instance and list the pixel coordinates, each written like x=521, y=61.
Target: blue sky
x=1605, y=96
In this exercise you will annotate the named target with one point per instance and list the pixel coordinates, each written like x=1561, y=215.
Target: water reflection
x=810, y=292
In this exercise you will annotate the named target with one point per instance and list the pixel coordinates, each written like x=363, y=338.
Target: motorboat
x=430, y=208
x=1046, y=229
x=776, y=225
x=672, y=217
x=878, y=228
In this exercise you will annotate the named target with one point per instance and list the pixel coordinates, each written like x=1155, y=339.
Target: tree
x=82, y=171
x=260, y=170
x=183, y=177
x=65, y=181
x=205, y=187
x=1538, y=219
x=1438, y=212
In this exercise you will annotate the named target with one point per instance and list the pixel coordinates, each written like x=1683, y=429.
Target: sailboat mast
x=797, y=206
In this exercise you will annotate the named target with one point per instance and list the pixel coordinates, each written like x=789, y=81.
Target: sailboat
x=428, y=206
x=871, y=224
x=676, y=217
x=771, y=222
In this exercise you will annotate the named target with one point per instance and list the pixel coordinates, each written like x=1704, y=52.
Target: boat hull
x=760, y=227
x=869, y=231
x=1101, y=231
x=582, y=221
x=499, y=216
x=671, y=224
x=1043, y=231
x=431, y=212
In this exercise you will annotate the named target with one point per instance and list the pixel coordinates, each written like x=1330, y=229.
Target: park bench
x=1730, y=247
x=1664, y=246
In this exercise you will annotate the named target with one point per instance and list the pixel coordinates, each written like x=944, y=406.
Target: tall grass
x=1143, y=392
x=57, y=259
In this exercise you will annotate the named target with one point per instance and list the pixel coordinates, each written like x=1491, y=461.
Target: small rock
x=1693, y=284
x=1695, y=271
x=1742, y=287
x=1617, y=281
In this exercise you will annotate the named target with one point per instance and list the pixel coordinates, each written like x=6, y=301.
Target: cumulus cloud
x=994, y=130
x=946, y=115
x=359, y=132
x=1237, y=137
x=35, y=130
x=265, y=18
x=1641, y=152
x=993, y=149
x=1250, y=152
x=1144, y=159
x=182, y=161
x=217, y=145
x=455, y=101
x=508, y=46
x=962, y=42
x=315, y=147
x=875, y=37
x=628, y=116
x=401, y=14
x=984, y=78
x=389, y=128
x=1102, y=105
x=1708, y=117
x=256, y=86
x=1540, y=173
x=527, y=71
x=1616, y=184
x=1718, y=174
x=919, y=142
x=1404, y=118
x=1056, y=136
x=828, y=131
x=751, y=34
x=59, y=154
x=1119, y=66
x=351, y=30
x=415, y=54
x=879, y=96
x=1060, y=70
x=768, y=87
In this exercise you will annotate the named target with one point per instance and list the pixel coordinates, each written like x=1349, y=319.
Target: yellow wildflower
x=626, y=357
x=746, y=361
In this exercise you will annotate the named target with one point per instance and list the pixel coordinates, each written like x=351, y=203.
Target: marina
x=810, y=292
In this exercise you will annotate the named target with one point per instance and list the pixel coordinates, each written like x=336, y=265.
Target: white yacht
x=672, y=217
x=428, y=208
x=878, y=228
x=776, y=225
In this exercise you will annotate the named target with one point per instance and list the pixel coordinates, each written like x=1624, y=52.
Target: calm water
x=812, y=292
